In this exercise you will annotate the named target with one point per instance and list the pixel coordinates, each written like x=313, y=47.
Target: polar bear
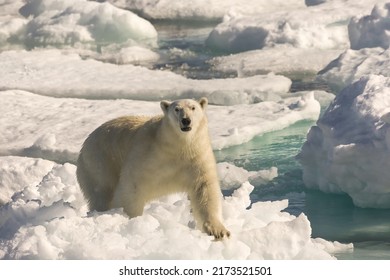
x=131, y=160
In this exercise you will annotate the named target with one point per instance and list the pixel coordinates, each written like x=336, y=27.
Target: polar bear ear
x=203, y=102
x=165, y=105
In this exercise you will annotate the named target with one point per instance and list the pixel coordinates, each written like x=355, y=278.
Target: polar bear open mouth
x=186, y=128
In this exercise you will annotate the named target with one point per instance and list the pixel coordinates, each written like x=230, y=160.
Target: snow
x=348, y=150
x=49, y=221
x=17, y=173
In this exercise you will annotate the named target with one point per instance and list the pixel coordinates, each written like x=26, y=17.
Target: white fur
x=131, y=160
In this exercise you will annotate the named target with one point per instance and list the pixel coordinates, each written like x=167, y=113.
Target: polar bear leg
x=206, y=206
x=127, y=196
x=96, y=181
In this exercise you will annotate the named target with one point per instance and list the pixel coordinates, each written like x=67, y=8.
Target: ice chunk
x=349, y=149
x=371, y=31
x=72, y=21
x=232, y=176
x=351, y=65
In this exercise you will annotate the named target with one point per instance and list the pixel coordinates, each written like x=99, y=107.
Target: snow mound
x=79, y=21
x=351, y=65
x=49, y=221
x=348, y=150
x=45, y=133
x=371, y=31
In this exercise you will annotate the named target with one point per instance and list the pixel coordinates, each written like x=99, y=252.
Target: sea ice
x=56, y=73
x=49, y=221
x=70, y=22
x=204, y=10
x=324, y=27
x=284, y=60
x=348, y=150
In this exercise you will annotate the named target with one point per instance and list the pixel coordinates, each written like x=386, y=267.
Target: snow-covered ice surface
x=209, y=10
x=348, y=150
x=48, y=220
x=285, y=60
x=38, y=72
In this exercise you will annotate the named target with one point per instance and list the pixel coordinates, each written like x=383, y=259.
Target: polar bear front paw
x=216, y=229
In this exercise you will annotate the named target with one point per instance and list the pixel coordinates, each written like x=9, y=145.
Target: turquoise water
x=333, y=217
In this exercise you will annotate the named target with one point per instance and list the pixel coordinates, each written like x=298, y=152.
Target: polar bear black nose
x=186, y=121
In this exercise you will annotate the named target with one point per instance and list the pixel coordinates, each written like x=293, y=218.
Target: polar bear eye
x=177, y=109
x=193, y=108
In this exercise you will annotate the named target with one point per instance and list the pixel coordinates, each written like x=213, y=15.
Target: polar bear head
x=185, y=115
